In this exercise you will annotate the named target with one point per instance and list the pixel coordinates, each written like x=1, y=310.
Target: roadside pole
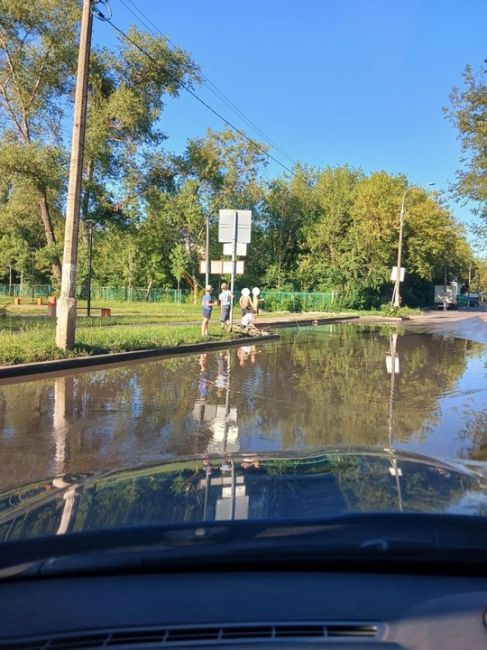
x=66, y=306
x=207, y=252
x=234, y=266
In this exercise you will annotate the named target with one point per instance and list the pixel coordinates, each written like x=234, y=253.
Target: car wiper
x=388, y=537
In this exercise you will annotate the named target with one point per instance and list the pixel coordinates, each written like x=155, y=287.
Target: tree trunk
x=147, y=291
x=9, y=279
x=50, y=237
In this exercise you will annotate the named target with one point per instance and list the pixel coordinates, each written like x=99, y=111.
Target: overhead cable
x=152, y=27
x=198, y=98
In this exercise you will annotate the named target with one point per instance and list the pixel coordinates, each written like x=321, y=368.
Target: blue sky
x=331, y=82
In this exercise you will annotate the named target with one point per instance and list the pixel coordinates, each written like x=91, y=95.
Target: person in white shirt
x=248, y=324
x=225, y=298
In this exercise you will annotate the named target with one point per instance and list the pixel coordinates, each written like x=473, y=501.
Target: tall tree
x=37, y=55
x=468, y=112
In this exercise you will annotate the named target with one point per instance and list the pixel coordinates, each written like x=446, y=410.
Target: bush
x=279, y=301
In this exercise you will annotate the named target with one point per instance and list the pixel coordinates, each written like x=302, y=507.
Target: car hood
x=244, y=487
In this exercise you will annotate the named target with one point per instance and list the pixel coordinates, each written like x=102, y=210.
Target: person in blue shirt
x=207, y=304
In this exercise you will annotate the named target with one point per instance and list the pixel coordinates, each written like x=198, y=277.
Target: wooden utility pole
x=66, y=320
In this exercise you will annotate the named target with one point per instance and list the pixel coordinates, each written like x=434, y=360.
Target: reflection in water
x=321, y=386
x=63, y=409
x=253, y=487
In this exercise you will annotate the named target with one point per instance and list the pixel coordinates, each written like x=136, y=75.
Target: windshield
x=242, y=277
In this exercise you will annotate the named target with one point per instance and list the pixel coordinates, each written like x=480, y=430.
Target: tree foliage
x=468, y=112
x=325, y=229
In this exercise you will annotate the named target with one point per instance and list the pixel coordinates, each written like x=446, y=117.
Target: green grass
x=27, y=334
x=36, y=343
x=122, y=312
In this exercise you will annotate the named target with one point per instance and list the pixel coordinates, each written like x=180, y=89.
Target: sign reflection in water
x=316, y=387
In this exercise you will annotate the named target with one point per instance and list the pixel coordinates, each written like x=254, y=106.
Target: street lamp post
x=397, y=286
x=32, y=271
x=89, y=225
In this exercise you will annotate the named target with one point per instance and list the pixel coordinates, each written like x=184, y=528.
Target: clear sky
x=331, y=82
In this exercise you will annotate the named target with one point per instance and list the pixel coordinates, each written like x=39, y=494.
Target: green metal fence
x=296, y=301
x=121, y=294
x=138, y=294
x=26, y=290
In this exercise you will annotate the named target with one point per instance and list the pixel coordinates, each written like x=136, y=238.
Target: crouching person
x=248, y=324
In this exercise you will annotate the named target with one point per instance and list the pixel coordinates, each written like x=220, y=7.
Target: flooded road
x=316, y=387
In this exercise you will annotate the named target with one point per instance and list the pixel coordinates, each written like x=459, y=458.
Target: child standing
x=225, y=299
x=207, y=304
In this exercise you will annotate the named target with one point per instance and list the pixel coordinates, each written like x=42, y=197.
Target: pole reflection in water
x=219, y=419
x=393, y=368
x=61, y=419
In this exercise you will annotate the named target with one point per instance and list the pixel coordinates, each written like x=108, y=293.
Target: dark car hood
x=243, y=487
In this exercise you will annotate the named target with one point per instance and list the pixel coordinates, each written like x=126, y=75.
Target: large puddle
x=316, y=387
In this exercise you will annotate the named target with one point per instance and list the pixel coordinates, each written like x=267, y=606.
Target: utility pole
x=66, y=306
x=207, y=251
x=234, y=265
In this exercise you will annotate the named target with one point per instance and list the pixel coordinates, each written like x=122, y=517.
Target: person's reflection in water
x=203, y=381
x=221, y=380
x=208, y=466
x=243, y=354
x=247, y=353
x=253, y=353
x=251, y=461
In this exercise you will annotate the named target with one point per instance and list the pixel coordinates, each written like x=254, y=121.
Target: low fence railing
x=273, y=300
x=120, y=294
x=297, y=301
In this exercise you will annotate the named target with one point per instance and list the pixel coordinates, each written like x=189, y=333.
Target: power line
x=148, y=23
x=202, y=101
x=208, y=106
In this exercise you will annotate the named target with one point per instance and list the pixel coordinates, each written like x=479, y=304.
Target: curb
x=385, y=319
x=88, y=362
x=81, y=363
x=306, y=321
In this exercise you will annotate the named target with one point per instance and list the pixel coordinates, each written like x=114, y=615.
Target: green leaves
x=468, y=113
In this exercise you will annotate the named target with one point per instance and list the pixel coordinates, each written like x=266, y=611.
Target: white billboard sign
x=218, y=267
x=241, y=249
x=226, y=225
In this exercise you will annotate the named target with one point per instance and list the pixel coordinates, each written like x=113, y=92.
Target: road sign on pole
x=219, y=267
x=394, y=274
x=241, y=249
x=226, y=225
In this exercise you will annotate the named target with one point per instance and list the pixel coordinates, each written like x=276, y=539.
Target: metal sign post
x=234, y=266
x=234, y=226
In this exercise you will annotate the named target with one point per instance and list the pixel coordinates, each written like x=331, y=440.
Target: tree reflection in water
x=316, y=387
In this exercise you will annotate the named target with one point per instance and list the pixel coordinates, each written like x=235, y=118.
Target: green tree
x=286, y=208
x=15, y=258
x=37, y=58
x=468, y=112
x=324, y=258
x=179, y=262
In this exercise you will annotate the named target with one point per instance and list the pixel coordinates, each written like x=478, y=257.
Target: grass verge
x=27, y=334
x=36, y=343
